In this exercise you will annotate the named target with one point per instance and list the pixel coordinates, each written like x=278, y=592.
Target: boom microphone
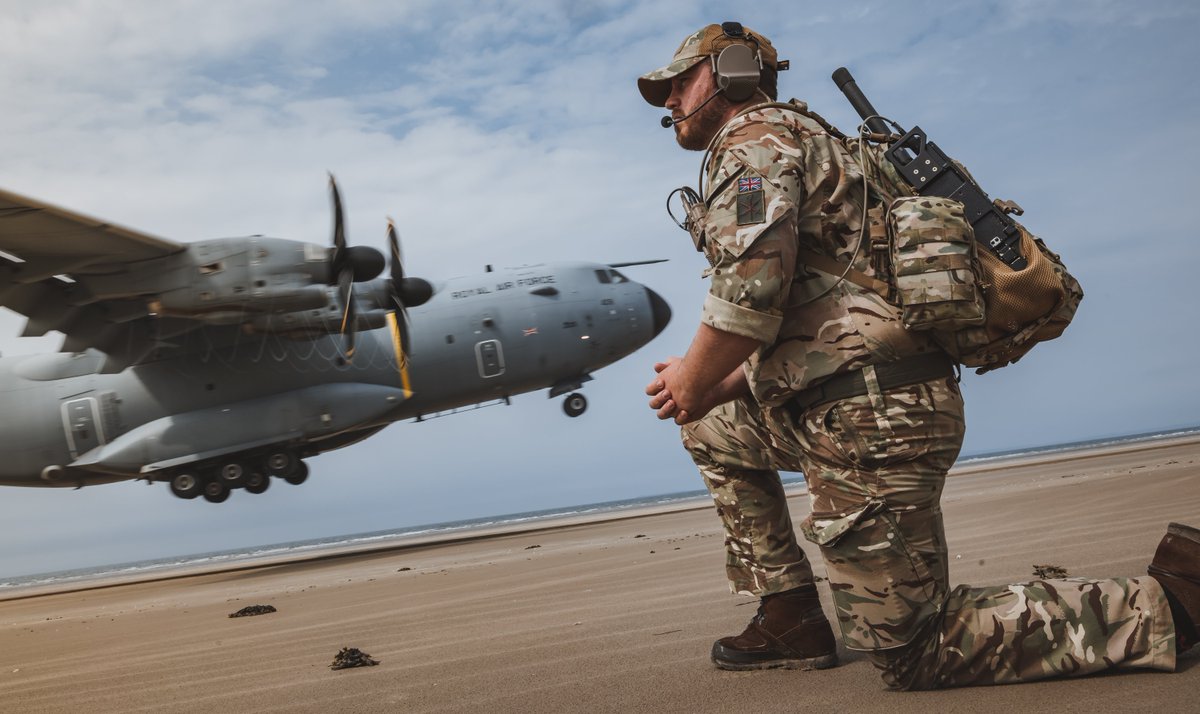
x=668, y=122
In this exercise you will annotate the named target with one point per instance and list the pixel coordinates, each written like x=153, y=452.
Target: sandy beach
x=612, y=615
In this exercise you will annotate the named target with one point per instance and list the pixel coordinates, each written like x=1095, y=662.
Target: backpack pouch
x=935, y=264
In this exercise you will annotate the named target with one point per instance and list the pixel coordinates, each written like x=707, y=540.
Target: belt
x=901, y=373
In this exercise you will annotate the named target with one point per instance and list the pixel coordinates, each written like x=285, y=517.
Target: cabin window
x=211, y=268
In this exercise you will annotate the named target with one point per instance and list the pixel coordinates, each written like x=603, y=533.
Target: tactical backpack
x=983, y=312
x=956, y=263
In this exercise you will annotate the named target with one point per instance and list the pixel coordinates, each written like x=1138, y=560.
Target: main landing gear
x=215, y=481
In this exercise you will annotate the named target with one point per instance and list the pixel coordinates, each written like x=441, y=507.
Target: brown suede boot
x=1176, y=566
x=789, y=631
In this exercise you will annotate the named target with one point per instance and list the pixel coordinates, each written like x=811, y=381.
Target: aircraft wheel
x=215, y=491
x=280, y=463
x=298, y=476
x=257, y=482
x=575, y=404
x=233, y=474
x=186, y=484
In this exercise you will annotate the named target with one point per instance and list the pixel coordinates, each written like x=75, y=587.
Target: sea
x=149, y=569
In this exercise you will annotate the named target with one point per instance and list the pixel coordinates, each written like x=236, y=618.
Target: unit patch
x=750, y=202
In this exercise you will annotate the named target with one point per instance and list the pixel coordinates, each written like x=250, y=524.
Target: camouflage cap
x=710, y=40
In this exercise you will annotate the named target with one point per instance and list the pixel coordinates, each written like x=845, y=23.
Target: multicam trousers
x=875, y=467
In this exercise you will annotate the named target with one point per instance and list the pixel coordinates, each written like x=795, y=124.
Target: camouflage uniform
x=875, y=464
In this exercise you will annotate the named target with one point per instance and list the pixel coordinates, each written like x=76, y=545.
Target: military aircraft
x=219, y=364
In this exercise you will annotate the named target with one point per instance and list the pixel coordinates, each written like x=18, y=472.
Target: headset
x=737, y=69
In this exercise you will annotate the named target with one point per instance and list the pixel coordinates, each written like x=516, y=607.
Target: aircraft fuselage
x=241, y=395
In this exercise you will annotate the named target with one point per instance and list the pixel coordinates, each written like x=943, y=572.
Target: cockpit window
x=602, y=276
x=618, y=278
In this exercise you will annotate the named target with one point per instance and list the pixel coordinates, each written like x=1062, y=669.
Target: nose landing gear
x=575, y=404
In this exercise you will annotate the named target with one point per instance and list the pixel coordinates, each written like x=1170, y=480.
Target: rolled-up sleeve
x=731, y=317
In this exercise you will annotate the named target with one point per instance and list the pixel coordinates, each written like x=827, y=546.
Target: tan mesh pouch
x=1023, y=307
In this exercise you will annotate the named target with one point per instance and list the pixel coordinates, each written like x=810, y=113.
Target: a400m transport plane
x=218, y=364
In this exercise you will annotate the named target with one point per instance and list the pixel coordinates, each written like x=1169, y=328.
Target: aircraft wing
x=53, y=241
x=41, y=246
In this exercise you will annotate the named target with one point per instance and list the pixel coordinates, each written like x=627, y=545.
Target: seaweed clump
x=349, y=657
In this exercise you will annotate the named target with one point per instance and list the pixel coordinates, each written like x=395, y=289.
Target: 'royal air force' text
x=508, y=285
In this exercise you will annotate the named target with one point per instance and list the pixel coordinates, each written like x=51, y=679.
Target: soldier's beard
x=697, y=131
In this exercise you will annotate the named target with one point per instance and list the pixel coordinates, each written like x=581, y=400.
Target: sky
x=511, y=132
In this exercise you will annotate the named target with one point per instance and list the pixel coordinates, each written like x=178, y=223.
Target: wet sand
x=611, y=615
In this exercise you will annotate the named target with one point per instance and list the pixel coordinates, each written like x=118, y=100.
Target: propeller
x=349, y=311
x=348, y=265
x=405, y=292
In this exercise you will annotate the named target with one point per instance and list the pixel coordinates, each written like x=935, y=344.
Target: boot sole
x=811, y=663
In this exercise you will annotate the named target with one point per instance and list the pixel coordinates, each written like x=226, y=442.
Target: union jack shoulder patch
x=749, y=183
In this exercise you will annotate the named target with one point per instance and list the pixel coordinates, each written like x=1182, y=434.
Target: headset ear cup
x=737, y=72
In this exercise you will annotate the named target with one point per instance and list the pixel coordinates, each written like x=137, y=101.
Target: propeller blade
x=395, y=261
x=349, y=310
x=348, y=344
x=339, y=231
x=402, y=329
x=396, y=269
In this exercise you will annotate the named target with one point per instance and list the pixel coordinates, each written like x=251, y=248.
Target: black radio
x=931, y=173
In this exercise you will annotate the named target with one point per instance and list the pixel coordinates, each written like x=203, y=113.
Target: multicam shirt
x=780, y=185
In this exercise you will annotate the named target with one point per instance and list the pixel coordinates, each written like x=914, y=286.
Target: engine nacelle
x=230, y=279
